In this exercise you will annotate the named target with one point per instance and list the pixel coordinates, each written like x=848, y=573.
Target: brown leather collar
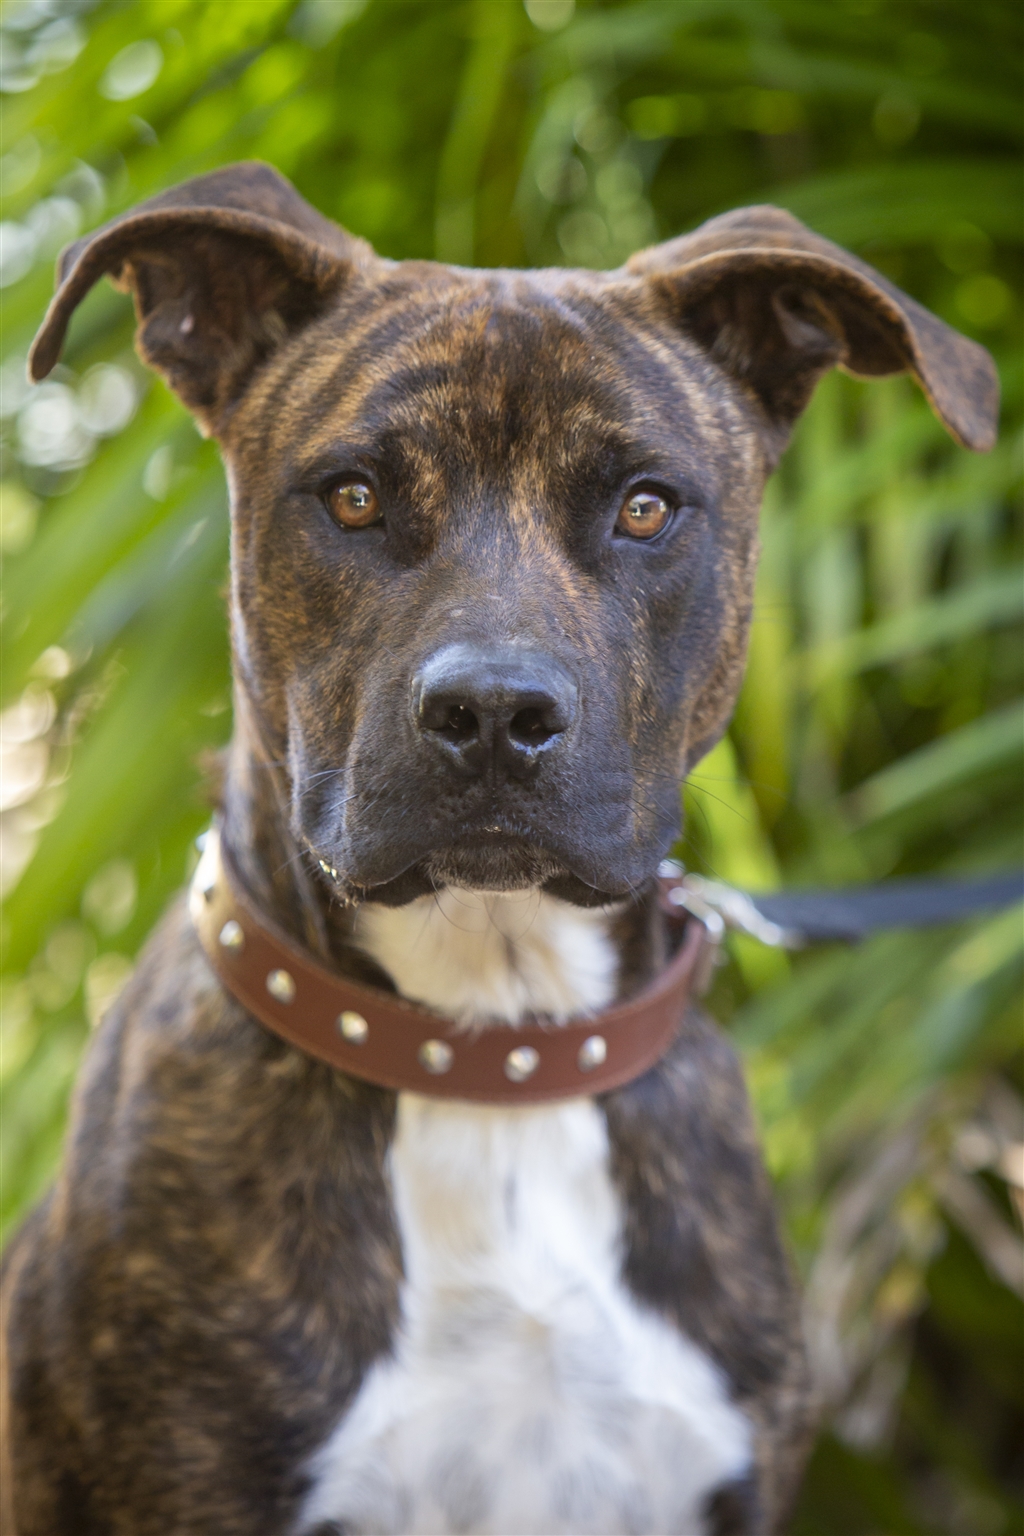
x=383, y=1039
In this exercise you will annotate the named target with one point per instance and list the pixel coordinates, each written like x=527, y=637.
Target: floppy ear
x=777, y=306
x=221, y=269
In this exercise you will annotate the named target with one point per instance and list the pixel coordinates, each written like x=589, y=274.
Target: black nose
x=493, y=708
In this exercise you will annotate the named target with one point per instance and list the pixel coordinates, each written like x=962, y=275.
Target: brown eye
x=643, y=515
x=353, y=504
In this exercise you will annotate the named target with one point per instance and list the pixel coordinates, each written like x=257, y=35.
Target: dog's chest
x=528, y=1391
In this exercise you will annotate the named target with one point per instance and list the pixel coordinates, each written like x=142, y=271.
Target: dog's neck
x=487, y=956
x=473, y=956
x=278, y=871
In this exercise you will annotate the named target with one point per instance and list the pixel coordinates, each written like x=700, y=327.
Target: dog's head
x=494, y=532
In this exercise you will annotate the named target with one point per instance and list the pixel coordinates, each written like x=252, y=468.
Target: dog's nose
x=493, y=708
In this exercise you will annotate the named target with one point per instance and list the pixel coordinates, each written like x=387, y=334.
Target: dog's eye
x=353, y=504
x=643, y=516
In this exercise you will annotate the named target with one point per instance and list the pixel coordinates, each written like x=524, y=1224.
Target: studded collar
x=383, y=1039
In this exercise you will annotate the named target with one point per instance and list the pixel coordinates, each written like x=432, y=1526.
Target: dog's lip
x=493, y=844
x=488, y=837
x=513, y=837
x=567, y=872
x=413, y=881
x=568, y=866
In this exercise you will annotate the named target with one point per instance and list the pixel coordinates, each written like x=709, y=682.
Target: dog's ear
x=221, y=268
x=777, y=306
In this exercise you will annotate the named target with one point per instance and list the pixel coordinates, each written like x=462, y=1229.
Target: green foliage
x=879, y=729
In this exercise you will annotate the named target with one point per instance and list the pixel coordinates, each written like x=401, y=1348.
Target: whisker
x=698, y=789
x=725, y=778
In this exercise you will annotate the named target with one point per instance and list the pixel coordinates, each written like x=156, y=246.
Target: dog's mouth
x=491, y=859
x=584, y=844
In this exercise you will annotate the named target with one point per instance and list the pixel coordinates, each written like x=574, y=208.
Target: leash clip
x=720, y=906
x=683, y=898
x=739, y=913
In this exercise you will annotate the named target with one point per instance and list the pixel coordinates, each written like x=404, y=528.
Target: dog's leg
x=735, y=1510
x=52, y=1494
x=703, y=1248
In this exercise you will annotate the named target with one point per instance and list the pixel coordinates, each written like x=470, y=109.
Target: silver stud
x=353, y=1026
x=281, y=985
x=436, y=1055
x=592, y=1053
x=231, y=935
x=521, y=1063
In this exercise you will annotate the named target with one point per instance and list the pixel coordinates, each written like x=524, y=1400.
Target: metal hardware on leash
x=739, y=913
x=714, y=927
x=720, y=906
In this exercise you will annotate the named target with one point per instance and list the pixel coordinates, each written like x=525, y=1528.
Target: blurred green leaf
x=910, y=202
x=968, y=751
x=960, y=614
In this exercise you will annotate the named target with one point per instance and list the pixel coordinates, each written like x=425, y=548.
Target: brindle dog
x=493, y=550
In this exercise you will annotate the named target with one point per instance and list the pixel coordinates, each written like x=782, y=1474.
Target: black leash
x=791, y=919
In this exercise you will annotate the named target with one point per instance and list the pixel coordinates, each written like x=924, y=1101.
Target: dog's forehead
x=513, y=364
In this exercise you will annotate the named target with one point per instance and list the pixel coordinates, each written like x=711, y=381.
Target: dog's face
x=494, y=534
x=494, y=546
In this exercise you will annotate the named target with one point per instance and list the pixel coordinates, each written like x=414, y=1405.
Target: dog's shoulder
x=214, y=1269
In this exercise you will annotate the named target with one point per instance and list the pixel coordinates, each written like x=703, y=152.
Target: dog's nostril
x=529, y=727
x=497, y=708
x=461, y=722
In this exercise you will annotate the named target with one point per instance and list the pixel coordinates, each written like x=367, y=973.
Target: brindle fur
x=218, y=1265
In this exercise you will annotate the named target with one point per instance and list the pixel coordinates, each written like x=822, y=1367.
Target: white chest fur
x=528, y=1391
x=478, y=957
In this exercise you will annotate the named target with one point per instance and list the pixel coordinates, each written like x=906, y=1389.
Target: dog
x=493, y=545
